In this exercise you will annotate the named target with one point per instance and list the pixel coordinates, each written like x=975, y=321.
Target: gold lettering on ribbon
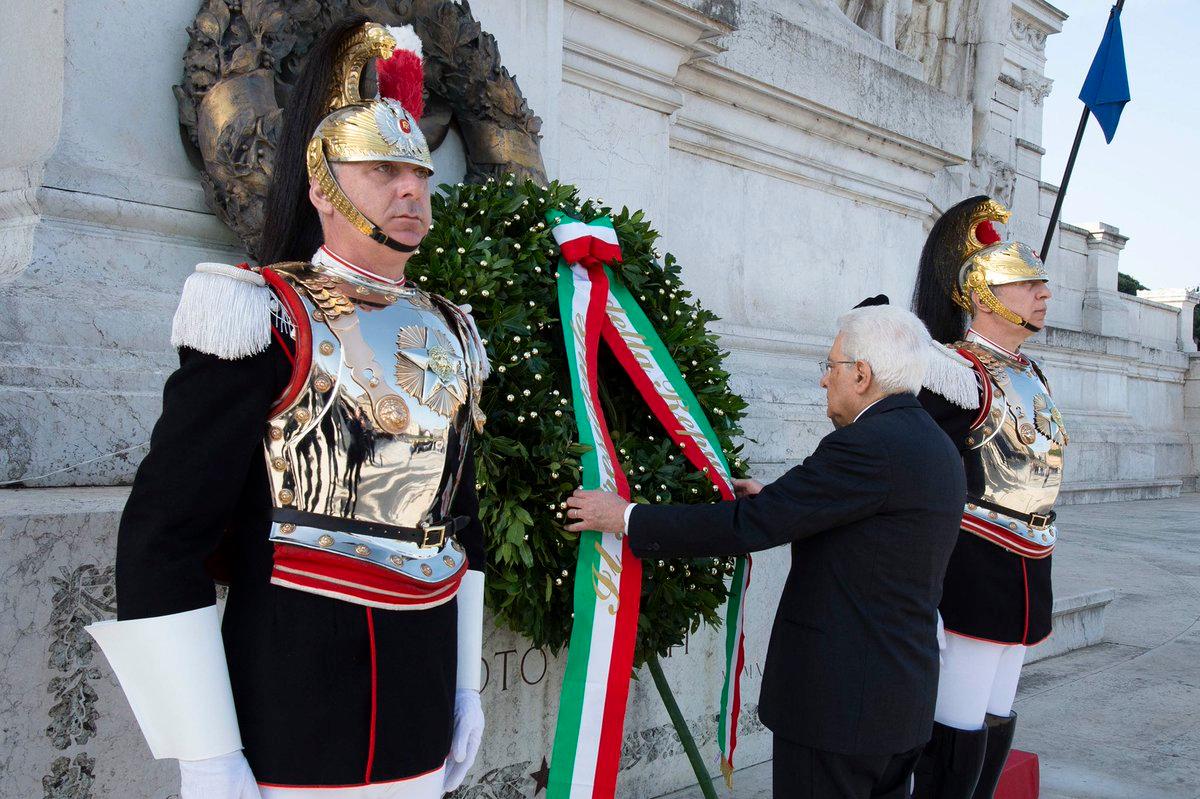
x=675, y=404
x=604, y=580
x=607, y=476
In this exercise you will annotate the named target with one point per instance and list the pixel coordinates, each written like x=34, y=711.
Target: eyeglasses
x=826, y=365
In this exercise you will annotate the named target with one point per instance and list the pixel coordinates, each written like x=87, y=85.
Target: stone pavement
x=1119, y=720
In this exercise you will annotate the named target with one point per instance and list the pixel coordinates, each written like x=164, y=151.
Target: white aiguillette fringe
x=952, y=376
x=224, y=311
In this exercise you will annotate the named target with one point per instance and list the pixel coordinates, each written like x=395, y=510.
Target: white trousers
x=977, y=678
x=425, y=786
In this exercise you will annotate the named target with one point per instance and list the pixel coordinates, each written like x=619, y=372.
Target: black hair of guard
x=291, y=229
x=937, y=273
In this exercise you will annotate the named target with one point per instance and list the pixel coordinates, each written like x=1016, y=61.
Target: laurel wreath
x=491, y=246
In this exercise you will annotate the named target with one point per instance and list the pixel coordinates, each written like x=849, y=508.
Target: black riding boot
x=999, y=741
x=950, y=763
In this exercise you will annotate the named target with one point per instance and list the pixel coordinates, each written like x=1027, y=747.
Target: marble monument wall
x=793, y=159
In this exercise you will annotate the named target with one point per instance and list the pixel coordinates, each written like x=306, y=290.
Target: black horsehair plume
x=937, y=273
x=291, y=230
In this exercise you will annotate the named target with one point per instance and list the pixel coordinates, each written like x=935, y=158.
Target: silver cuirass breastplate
x=1020, y=445
x=378, y=433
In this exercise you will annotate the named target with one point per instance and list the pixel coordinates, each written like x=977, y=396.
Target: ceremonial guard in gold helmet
x=983, y=297
x=313, y=452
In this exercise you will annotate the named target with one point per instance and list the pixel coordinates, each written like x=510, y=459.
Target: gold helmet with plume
x=965, y=255
x=382, y=128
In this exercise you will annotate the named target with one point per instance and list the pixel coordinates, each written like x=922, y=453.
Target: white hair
x=892, y=340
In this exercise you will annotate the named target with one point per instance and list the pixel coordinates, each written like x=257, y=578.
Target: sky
x=1146, y=181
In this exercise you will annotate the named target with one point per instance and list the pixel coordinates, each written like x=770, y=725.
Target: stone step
x=1078, y=622
x=1119, y=491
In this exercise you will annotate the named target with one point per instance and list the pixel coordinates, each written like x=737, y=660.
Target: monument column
x=1103, y=311
x=1191, y=418
x=1186, y=301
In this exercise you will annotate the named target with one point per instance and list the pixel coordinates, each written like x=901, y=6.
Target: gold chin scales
x=977, y=283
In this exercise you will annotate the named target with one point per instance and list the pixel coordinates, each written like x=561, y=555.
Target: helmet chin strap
x=318, y=168
x=387, y=241
x=976, y=282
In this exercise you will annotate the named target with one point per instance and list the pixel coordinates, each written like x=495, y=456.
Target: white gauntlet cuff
x=173, y=671
x=470, y=630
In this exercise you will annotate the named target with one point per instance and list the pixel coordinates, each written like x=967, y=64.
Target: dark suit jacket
x=872, y=516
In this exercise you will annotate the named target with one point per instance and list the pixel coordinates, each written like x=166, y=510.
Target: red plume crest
x=402, y=78
x=986, y=233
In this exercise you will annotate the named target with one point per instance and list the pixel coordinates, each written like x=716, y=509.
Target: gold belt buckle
x=428, y=531
x=1039, y=521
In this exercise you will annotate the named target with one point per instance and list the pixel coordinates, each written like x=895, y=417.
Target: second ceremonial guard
x=983, y=297
x=313, y=453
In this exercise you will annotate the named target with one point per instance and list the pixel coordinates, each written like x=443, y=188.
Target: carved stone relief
x=959, y=43
x=1035, y=85
x=82, y=596
x=883, y=19
x=1026, y=31
x=244, y=57
x=993, y=176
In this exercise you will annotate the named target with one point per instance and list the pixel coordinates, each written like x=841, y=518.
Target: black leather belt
x=1038, y=521
x=426, y=535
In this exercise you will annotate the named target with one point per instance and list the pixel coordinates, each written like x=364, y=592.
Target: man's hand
x=602, y=511
x=746, y=488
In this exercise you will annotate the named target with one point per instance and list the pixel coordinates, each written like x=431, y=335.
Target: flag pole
x=1066, y=179
x=1062, y=187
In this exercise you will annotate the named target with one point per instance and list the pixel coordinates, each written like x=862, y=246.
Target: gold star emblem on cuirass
x=1049, y=419
x=431, y=369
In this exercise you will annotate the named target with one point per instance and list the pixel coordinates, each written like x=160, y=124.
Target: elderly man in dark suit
x=872, y=516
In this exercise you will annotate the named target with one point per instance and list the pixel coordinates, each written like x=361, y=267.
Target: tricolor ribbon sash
x=595, y=306
x=585, y=243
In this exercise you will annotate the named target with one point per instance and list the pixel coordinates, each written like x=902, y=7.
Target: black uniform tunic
x=989, y=593
x=328, y=693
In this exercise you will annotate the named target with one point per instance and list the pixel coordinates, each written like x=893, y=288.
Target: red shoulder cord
x=985, y=383
x=302, y=360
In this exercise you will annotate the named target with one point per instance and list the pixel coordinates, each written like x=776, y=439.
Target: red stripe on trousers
x=374, y=695
x=1025, y=578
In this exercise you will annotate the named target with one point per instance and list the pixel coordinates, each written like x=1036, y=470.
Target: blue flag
x=1106, y=89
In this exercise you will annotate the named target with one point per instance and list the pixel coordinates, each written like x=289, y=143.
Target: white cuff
x=173, y=671
x=470, y=630
x=628, y=512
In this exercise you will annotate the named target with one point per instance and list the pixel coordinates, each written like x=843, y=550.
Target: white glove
x=222, y=777
x=941, y=639
x=468, y=734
